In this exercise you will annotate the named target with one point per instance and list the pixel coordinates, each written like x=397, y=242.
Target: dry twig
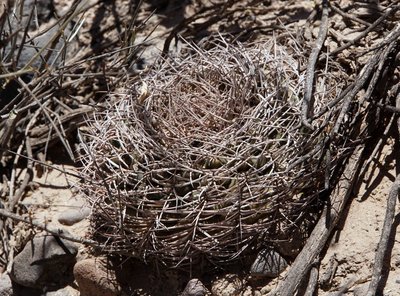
x=312, y=281
x=384, y=241
x=386, y=228
x=308, y=100
x=366, y=31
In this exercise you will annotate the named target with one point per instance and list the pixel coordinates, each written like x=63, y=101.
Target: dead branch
x=312, y=281
x=7, y=131
x=364, y=75
x=386, y=228
x=27, y=178
x=366, y=31
x=348, y=16
x=71, y=120
x=308, y=100
x=389, y=108
x=384, y=241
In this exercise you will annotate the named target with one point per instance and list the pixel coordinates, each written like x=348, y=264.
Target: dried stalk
x=386, y=228
x=367, y=30
x=308, y=100
x=349, y=16
x=312, y=281
x=384, y=241
x=365, y=74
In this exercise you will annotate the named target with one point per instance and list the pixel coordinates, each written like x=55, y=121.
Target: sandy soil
x=354, y=246
x=54, y=193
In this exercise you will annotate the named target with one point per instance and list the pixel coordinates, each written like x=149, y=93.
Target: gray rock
x=268, y=264
x=41, y=29
x=5, y=285
x=45, y=262
x=195, y=288
x=70, y=217
x=94, y=278
x=28, y=52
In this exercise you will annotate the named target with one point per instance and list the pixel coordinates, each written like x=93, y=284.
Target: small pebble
x=94, y=279
x=195, y=288
x=70, y=217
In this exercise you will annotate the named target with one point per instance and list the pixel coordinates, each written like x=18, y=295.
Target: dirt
x=55, y=194
x=354, y=246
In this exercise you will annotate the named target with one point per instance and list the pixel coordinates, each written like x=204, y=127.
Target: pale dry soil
x=54, y=193
x=357, y=242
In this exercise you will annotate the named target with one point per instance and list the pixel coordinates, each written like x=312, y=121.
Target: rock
x=73, y=216
x=94, y=279
x=5, y=285
x=66, y=291
x=45, y=262
x=41, y=41
x=268, y=264
x=195, y=288
x=229, y=285
x=42, y=22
